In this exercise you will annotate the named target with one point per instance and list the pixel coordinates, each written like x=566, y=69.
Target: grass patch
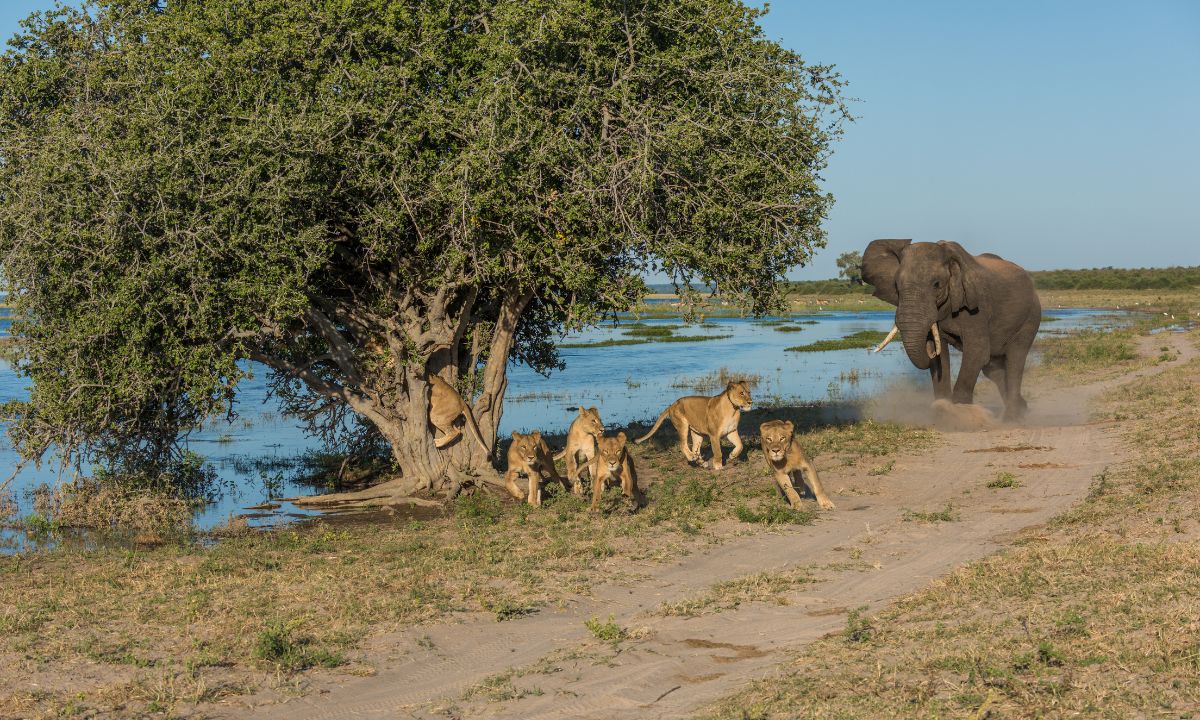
x=774, y=514
x=1088, y=350
x=650, y=331
x=858, y=626
x=946, y=514
x=730, y=594
x=279, y=645
x=883, y=469
x=1004, y=480
x=789, y=328
x=605, y=630
x=717, y=380
x=860, y=339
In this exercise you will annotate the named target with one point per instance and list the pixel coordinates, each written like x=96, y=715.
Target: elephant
x=983, y=305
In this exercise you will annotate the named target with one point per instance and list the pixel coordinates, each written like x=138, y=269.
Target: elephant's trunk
x=915, y=329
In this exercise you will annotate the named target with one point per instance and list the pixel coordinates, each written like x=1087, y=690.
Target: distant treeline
x=1091, y=279
x=1118, y=278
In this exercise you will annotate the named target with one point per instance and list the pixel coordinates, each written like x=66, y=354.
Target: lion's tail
x=561, y=455
x=470, y=418
x=657, y=424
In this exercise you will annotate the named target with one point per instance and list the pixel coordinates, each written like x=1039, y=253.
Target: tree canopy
x=850, y=266
x=359, y=194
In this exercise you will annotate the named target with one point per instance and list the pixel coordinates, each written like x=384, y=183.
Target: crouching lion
x=785, y=457
x=612, y=463
x=445, y=408
x=530, y=456
x=696, y=417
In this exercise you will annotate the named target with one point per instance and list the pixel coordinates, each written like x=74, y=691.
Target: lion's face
x=739, y=394
x=526, y=446
x=776, y=438
x=590, y=419
x=611, y=452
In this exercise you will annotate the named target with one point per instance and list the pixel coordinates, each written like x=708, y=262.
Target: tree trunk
x=397, y=403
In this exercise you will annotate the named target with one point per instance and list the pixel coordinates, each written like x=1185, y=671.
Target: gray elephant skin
x=983, y=305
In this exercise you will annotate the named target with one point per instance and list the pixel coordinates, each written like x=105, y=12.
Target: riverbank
x=124, y=632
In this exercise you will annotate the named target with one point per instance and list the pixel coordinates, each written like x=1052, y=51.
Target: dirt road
x=868, y=552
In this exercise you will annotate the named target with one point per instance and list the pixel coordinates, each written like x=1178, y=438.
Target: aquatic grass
x=789, y=328
x=717, y=379
x=642, y=340
x=611, y=342
x=651, y=331
x=860, y=339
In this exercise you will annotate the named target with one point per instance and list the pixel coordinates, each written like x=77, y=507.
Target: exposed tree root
x=402, y=491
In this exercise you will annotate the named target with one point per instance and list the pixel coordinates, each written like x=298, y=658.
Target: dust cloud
x=910, y=401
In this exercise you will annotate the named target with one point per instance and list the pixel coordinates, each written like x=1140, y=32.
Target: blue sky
x=1057, y=134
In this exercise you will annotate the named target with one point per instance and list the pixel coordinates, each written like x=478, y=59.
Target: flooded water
x=256, y=455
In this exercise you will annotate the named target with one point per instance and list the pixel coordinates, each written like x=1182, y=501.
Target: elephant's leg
x=973, y=360
x=1014, y=371
x=994, y=371
x=939, y=372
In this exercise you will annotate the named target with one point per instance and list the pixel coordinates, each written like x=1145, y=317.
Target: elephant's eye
x=937, y=283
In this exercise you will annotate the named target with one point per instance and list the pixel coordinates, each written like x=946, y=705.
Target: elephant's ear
x=880, y=262
x=966, y=277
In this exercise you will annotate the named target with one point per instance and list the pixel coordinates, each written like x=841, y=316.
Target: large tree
x=360, y=194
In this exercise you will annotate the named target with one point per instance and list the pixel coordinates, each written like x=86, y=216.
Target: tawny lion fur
x=696, y=417
x=785, y=457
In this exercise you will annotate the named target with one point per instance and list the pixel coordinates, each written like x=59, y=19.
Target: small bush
x=1004, y=480
x=478, y=507
x=278, y=646
x=607, y=631
x=858, y=625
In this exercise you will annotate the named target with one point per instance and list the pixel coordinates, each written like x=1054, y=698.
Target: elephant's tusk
x=937, y=342
x=887, y=339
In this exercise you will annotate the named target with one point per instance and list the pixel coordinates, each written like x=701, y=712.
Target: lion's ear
x=515, y=434
x=621, y=437
x=537, y=435
x=790, y=427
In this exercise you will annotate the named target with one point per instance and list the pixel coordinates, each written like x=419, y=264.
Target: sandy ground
x=864, y=554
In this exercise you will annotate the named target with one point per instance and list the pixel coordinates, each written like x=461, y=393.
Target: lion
x=445, y=407
x=697, y=416
x=612, y=462
x=785, y=457
x=530, y=456
x=581, y=446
